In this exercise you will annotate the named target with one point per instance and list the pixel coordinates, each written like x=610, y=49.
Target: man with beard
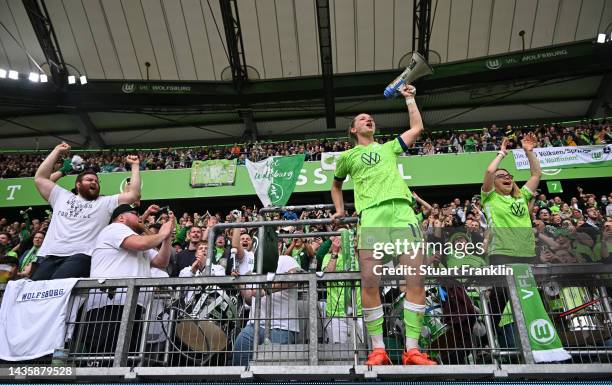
x=77, y=219
x=119, y=251
x=187, y=257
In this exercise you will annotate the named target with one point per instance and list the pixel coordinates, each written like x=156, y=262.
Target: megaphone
x=417, y=68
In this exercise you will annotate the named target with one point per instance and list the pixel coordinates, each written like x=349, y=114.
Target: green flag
x=274, y=178
x=543, y=338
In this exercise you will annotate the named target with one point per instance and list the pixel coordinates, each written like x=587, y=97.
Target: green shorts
x=391, y=221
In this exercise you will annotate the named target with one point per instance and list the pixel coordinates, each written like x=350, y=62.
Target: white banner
x=274, y=178
x=563, y=156
x=328, y=160
x=33, y=318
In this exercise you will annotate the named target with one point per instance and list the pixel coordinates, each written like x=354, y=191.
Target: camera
x=236, y=213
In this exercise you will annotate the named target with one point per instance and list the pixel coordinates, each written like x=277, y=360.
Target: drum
x=209, y=316
x=579, y=318
x=578, y=309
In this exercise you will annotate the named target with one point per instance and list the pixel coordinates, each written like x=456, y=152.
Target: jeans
x=243, y=346
x=54, y=267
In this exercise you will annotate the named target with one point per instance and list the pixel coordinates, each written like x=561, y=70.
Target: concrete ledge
x=344, y=372
x=427, y=372
x=559, y=371
x=191, y=372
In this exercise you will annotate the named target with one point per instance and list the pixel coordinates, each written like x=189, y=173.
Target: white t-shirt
x=284, y=302
x=215, y=270
x=76, y=222
x=247, y=266
x=110, y=260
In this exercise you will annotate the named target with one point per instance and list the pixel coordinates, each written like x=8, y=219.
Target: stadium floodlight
x=34, y=77
x=43, y=78
x=83, y=79
x=601, y=38
x=71, y=79
x=3, y=73
x=13, y=75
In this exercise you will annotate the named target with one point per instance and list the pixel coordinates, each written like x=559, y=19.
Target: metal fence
x=204, y=328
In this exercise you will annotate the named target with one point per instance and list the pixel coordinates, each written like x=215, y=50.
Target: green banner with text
x=434, y=170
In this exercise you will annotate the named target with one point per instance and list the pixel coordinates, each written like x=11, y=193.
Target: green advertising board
x=417, y=171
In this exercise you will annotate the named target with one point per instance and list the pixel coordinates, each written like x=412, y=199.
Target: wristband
x=502, y=153
x=410, y=101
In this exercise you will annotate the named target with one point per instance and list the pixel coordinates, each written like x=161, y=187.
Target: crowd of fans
x=155, y=241
x=487, y=139
x=574, y=230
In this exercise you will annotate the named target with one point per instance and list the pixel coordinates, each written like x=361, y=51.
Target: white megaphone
x=417, y=68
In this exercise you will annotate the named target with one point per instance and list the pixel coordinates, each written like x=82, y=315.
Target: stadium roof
x=278, y=45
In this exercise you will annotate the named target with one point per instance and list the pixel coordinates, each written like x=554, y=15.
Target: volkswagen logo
x=517, y=209
x=370, y=158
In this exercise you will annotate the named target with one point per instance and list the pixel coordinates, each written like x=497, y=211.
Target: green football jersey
x=510, y=223
x=373, y=169
x=336, y=295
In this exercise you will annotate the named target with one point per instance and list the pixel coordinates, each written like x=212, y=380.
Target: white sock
x=378, y=342
x=411, y=343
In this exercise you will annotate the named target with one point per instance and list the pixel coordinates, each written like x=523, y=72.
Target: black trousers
x=54, y=267
x=102, y=329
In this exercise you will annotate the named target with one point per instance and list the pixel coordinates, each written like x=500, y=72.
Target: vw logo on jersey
x=370, y=158
x=517, y=209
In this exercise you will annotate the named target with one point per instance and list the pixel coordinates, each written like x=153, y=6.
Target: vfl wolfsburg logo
x=127, y=88
x=275, y=192
x=597, y=155
x=517, y=209
x=371, y=158
x=542, y=331
x=493, y=64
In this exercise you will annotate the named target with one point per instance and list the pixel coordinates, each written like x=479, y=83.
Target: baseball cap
x=122, y=209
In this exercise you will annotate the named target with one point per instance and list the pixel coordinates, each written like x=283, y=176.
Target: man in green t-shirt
x=383, y=202
x=339, y=297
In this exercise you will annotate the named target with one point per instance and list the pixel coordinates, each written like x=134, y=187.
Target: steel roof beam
x=327, y=67
x=43, y=28
x=235, y=46
x=89, y=132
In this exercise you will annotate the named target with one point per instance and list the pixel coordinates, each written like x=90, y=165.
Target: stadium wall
x=418, y=171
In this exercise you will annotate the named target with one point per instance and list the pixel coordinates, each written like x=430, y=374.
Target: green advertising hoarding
x=433, y=170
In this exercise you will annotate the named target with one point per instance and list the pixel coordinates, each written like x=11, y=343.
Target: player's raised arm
x=415, y=121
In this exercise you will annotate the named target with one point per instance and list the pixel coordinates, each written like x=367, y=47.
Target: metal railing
x=199, y=327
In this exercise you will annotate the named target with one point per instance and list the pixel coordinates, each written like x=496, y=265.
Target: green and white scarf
x=543, y=338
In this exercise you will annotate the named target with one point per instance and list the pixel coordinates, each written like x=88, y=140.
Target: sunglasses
x=504, y=176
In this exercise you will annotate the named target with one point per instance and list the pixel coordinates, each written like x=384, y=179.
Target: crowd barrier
x=189, y=328
x=199, y=328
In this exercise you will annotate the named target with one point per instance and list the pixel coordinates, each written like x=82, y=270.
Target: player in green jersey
x=383, y=202
x=506, y=208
